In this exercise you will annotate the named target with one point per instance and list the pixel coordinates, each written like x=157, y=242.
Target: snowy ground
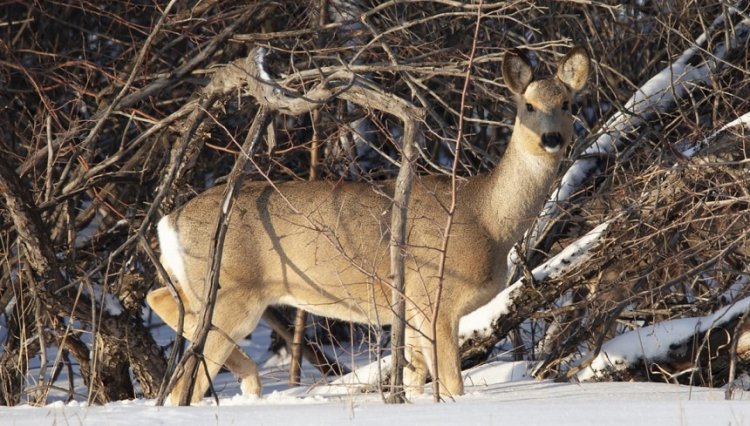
x=496, y=393
x=514, y=403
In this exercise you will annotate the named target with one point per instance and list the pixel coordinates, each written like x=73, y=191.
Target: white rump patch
x=171, y=251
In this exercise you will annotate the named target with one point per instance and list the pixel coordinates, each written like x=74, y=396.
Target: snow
x=500, y=392
x=694, y=148
x=370, y=374
x=260, y=62
x=737, y=287
x=497, y=393
x=653, y=342
x=479, y=322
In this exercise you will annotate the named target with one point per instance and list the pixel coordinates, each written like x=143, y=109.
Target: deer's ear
x=517, y=72
x=574, y=68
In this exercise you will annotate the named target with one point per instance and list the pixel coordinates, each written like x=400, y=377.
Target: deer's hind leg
x=162, y=302
x=217, y=350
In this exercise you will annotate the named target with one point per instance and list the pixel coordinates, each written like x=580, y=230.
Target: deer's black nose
x=552, y=141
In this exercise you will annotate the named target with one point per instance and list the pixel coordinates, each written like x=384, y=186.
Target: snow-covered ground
x=496, y=393
x=490, y=399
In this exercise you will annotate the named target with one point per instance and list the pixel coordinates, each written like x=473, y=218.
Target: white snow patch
x=495, y=372
x=84, y=236
x=738, y=286
x=653, y=342
x=488, y=402
x=365, y=378
x=743, y=120
x=112, y=304
x=260, y=62
x=370, y=373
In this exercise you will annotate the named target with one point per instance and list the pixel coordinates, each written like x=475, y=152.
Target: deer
x=323, y=246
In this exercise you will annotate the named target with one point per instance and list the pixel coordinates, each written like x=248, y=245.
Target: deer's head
x=544, y=122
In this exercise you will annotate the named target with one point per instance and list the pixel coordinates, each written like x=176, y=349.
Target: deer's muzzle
x=552, y=141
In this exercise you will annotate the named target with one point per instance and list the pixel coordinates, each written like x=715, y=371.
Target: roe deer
x=324, y=246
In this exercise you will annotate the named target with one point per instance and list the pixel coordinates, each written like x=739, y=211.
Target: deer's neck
x=515, y=191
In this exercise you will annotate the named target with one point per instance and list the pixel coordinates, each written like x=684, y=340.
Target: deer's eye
x=565, y=106
x=529, y=108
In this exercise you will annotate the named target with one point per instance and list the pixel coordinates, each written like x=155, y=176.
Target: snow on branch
x=737, y=287
x=480, y=323
x=657, y=95
x=655, y=343
x=694, y=148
